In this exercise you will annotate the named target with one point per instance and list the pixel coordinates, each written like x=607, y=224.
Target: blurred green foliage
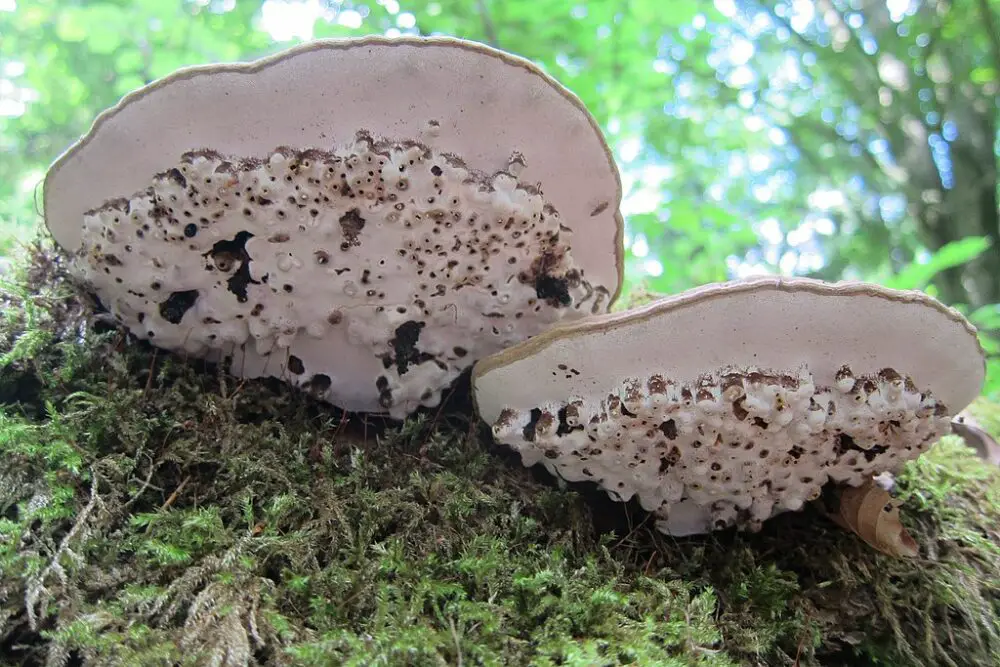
x=830, y=138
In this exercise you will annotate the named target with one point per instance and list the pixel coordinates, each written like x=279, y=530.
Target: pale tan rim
x=348, y=43
x=612, y=321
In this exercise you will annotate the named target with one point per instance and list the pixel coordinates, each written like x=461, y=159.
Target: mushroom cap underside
x=373, y=275
x=771, y=323
x=462, y=98
x=733, y=402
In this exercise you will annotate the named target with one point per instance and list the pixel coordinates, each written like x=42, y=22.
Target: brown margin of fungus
x=348, y=43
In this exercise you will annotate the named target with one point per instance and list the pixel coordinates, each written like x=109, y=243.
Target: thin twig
x=649, y=564
x=177, y=491
x=437, y=416
x=37, y=584
x=802, y=643
x=344, y=418
x=145, y=484
x=458, y=643
x=152, y=366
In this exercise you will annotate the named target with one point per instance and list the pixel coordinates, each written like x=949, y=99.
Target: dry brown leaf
x=969, y=430
x=871, y=513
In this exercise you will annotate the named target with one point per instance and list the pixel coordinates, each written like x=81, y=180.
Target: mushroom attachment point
x=293, y=219
x=729, y=403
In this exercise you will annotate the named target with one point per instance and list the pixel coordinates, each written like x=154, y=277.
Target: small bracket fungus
x=729, y=403
x=365, y=218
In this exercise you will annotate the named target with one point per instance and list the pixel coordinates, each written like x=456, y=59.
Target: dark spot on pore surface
x=178, y=303
x=351, y=224
x=295, y=365
x=529, y=430
x=404, y=346
x=177, y=177
x=385, y=398
x=190, y=229
x=235, y=250
x=843, y=444
x=873, y=451
x=320, y=382
x=159, y=211
x=670, y=460
x=564, y=427
x=669, y=429
x=553, y=290
x=739, y=411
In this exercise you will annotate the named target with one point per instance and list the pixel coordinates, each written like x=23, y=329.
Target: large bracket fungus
x=363, y=217
x=731, y=402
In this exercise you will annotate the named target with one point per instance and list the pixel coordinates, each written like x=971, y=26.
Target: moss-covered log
x=157, y=512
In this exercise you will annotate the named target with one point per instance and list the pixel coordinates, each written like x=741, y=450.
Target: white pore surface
x=734, y=448
x=373, y=275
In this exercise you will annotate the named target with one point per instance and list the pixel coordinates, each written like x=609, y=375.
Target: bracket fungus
x=362, y=217
x=729, y=403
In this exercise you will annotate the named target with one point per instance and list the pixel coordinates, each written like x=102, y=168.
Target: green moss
x=156, y=511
